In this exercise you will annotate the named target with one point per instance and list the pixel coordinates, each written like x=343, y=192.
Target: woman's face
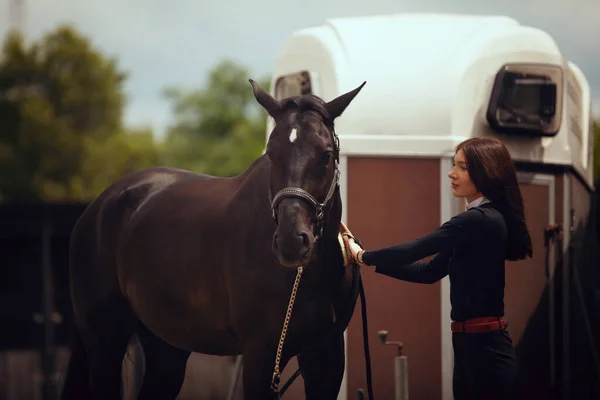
x=462, y=186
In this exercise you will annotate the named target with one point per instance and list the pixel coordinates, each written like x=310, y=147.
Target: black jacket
x=470, y=248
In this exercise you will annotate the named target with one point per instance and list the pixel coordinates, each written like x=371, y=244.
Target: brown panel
x=393, y=200
x=526, y=279
x=558, y=198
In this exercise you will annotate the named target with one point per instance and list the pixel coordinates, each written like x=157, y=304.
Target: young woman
x=471, y=248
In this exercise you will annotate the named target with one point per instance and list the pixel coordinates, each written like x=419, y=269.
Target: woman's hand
x=354, y=250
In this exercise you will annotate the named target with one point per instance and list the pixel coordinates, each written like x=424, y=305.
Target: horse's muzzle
x=293, y=249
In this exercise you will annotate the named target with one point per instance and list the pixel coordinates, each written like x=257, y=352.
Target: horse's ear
x=265, y=99
x=337, y=106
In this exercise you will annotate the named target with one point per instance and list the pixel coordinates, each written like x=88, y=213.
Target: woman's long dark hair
x=492, y=170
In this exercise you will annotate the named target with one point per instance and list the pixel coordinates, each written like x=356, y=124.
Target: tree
x=61, y=105
x=220, y=129
x=128, y=151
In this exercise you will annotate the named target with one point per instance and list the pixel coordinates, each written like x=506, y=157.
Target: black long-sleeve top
x=470, y=248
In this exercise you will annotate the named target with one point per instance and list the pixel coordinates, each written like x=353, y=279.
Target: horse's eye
x=327, y=157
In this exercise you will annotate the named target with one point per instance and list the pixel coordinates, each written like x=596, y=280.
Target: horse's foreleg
x=165, y=367
x=322, y=370
x=259, y=362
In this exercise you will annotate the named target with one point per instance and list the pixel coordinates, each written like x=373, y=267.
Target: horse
x=195, y=263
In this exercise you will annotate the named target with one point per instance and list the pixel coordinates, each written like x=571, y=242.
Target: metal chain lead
x=288, y=315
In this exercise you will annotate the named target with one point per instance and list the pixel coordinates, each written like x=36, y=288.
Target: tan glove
x=354, y=249
x=350, y=248
x=346, y=255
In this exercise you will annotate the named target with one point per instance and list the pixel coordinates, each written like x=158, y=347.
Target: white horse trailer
x=434, y=80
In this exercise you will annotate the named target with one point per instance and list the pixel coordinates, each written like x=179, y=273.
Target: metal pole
x=400, y=368
x=49, y=390
x=552, y=234
x=567, y=309
x=401, y=371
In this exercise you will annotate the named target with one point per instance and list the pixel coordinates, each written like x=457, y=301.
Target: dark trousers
x=485, y=366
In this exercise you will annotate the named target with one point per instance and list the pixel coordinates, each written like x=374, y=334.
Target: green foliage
x=126, y=151
x=61, y=105
x=219, y=129
x=62, y=137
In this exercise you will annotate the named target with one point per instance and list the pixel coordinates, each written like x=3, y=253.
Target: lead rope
x=276, y=373
x=363, y=309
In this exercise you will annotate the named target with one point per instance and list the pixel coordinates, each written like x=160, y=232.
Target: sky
x=164, y=43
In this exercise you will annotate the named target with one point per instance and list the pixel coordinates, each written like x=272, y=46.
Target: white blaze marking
x=293, y=135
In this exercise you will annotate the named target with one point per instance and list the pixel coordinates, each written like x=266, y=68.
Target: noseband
x=297, y=192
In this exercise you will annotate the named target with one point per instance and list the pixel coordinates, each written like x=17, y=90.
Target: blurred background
x=91, y=90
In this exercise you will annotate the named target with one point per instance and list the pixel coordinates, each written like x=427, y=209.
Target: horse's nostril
x=305, y=239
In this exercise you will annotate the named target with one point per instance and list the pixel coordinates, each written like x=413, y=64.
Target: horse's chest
x=311, y=318
x=305, y=318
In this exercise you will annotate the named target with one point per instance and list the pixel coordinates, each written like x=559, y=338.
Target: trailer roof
x=429, y=78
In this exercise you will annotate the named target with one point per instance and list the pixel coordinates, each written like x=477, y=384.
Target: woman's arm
x=459, y=229
x=418, y=271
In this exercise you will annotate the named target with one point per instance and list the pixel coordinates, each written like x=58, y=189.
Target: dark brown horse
x=194, y=263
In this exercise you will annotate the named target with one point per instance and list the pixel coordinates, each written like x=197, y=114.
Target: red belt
x=480, y=325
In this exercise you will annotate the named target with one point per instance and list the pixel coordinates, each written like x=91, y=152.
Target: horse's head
x=304, y=153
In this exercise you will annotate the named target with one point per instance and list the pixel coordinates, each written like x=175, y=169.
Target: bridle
x=297, y=192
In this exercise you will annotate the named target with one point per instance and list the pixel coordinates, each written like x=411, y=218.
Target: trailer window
x=526, y=99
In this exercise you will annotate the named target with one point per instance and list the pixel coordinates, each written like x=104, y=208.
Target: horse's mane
x=306, y=103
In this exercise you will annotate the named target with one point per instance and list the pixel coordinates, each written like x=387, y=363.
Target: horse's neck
x=259, y=166
x=254, y=181
x=328, y=246
x=334, y=216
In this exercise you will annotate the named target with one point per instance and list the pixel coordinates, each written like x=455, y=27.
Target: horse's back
x=95, y=236
x=127, y=195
